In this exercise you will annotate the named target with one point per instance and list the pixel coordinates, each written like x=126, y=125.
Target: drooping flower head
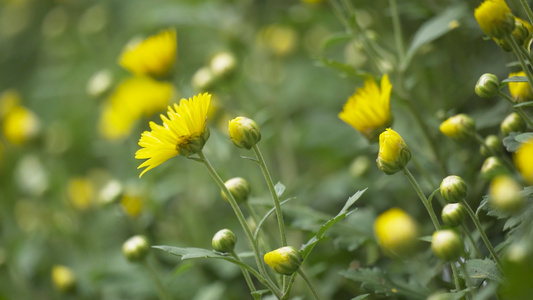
x=520, y=91
x=393, y=152
x=183, y=132
x=153, y=56
x=495, y=18
x=368, y=109
x=523, y=160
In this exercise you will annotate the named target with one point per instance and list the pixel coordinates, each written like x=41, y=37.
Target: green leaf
x=345, y=69
x=433, y=29
x=427, y=238
x=335, y=39
x=197, y=253
x=363, y=296
x=524, y=137
x=510, y=142
x=482, y=269
x=513, y=79
x=279, y=188
x=529, y=103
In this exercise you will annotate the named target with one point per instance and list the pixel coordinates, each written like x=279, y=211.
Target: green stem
x=506, y=160
x=275, y=198
x=422, y=197
x=483, y=234
x=309, y=284
x=519, y=110
x=159, y=286
x=247, y=277
x=516, y=50
x=471, y=239
x=397, y=28
x=528, y=10
x=241, y=219
x=455, y=274
x=468, y=281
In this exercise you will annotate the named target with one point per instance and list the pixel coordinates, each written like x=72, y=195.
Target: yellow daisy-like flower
x=495, y=18
x=520, y=91
x=523, y=160
x=368, y=109
x=184, y=132
x=153, y=56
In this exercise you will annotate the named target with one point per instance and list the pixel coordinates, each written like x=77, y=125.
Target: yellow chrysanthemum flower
x=520, y=91
x=495, y=18
x=80, y=192
x=183, y=132
x=153, y=56
x=393, y=153
x=396, y=232
x=368, y=109
x=523, y=160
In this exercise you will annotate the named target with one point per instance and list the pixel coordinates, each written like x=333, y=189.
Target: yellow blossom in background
x=393, y=153
x=279, y=39
x=495, y=18
x=396, y=232
x=153, y=56
x=368, y=109
x=80, y=192
x=184, y=132
x=131, y=204
x=63, y=278
x=520, y=91
x=20, y=125
x=523, y=159
x=9, y=99
x=134, y=98
x=458, y=127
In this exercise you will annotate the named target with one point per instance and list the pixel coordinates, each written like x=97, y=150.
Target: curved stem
x=159, y=286
x=519, y=110
x=309, y=284
x=247, y=277
x=483, y=234
x=422, y=197
x=241, y=219
x=471, y=239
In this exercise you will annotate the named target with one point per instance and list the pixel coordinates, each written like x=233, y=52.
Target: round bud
x=453, y=189
x=493, y=143
x=393, y=153
x=453, y=214
x=512, y=123
x=223, y=64
x=458, y=127
x=64, y=279
x=239, y=189
x=492, y=167
x=447, y=245
x=285, y=260
x=487, y=86
x=505, y=195
x=135, y=248
x=244, y=132
x=224, y=241
x=396, y=232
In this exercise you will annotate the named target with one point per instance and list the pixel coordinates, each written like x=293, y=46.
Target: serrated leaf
x=482, y=269
x=528, y=190
x=524, y=137
x=363, y=296
x=279, y=188
x=510, y=142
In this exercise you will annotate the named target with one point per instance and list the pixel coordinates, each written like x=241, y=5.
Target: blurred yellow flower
x=458, y=127
x=279, y=39
x=9, y=99
x=63, y=278
x=80, y=192
x=495, y=18
x=153, y=56
x=520, y=91
x=505, y=194
x=396, y=232
x=133, y=98
x=183, y=132
x=393, y=153
x=523, y=159
x=20, y=125
x=368, y=109
x=131, y=204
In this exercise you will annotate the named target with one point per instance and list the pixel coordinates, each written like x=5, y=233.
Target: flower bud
x=458, y=127
x=520, y=32
x=135, y=248
x=244, y=132
x=396, y=232
x=453, y=189
x=285, y=260
x=447, y=244
x=64, y=279
x=505, y=195
x=223, y=64
x=491, y=142
x=203, y=79
x=487, y=86
x=512, y=123
x=239, y=189
x=393, y=152
x=520, y=91
x=495, y=18
x=492, y=167
x=453, y=214
x=224, y=241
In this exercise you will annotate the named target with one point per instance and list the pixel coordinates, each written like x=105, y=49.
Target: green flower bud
x=458, y=127
x=244, y=132
x=64, y=279
x=504, y=44
x=223, y=64
x=491, y=142
x=512, y=123
x=285, y=260
x=487, y=86
x=505, y=195
x=239, y=189
x=453, y=189
x=453, y=214
x=393, y=153
x=135, y=248
x=447, y=244
x=520, y=32
x=224, y=241
x=492, y=167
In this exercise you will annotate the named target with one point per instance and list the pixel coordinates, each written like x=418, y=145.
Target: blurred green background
x=70, y=197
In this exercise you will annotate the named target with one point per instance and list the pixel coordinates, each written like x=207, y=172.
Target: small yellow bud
x=64, y=279
x=495, y=18
x=453, y=214
x=512, y=123
x=487, y=86
x=285, y=260
x=393, y=153
x=520, y=91
x=396, y=232
x=453, y=189
x=447, y=244
x=224, y=241
x=491, y=142
x=458, y=127
x=492, y=167
x=244, y=132
x=505, y=195
x=135, y=248
x=239, y=189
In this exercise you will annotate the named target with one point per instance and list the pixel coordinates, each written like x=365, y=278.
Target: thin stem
x=159, y=286
x=241, y=219
x=468, y=281
x=471, y=239
x=525, y=68
x=422, y=197
x=528, y=10
x=483, y=234
x=247, y=277
x=506, y=160
x=309, y=284
x=397, y=28
x=275, y=198
x=455, y=275
x=519, y=110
